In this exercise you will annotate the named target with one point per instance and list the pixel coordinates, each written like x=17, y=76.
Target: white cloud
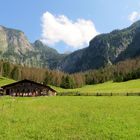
x=134, y=16
x=60, y=28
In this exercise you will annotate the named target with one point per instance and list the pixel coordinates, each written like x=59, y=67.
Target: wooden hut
x=28, y=88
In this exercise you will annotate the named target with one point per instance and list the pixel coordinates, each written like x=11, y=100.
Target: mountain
x=105, y=49
x=15, y=47
x=48, y=56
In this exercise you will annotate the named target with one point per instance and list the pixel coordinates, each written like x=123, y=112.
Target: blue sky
x=106, y=15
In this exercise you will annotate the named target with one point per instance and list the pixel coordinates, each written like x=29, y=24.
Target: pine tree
x=15, y=74
x=6, y=69
x=48, y=78
x=67, y=82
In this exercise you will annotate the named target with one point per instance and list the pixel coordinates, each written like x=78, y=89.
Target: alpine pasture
x=72, y=117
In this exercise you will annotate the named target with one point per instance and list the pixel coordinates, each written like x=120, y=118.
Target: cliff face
x=15, y=47
x=14, y=40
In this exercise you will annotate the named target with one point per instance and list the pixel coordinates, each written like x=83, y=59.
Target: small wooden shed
x=28, y=88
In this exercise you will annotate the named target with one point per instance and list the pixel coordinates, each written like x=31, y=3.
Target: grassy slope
x=132, y=86
x=70, y=118
x=5, y=81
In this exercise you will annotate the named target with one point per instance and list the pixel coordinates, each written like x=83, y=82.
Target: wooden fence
x=96, y=94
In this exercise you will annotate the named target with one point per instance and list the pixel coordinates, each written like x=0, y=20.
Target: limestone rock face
x=15, y=47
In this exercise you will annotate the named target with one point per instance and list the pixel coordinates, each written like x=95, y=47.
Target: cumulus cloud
x=134, y=16
x=59, y=28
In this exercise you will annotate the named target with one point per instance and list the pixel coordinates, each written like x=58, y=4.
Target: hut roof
x=29, y=81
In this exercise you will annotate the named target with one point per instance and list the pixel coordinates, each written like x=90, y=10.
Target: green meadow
x=70, y=118
x=132, y=86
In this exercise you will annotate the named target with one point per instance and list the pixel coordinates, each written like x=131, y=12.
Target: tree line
x=120, y=72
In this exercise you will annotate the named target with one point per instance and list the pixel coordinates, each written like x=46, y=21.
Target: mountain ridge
x=104, y=49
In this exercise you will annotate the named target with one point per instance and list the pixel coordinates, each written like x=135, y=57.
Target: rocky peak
x=14, y=40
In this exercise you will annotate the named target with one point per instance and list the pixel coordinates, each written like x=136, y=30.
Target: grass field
x=70, y=118
x=132, y=86
x=5, y=81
